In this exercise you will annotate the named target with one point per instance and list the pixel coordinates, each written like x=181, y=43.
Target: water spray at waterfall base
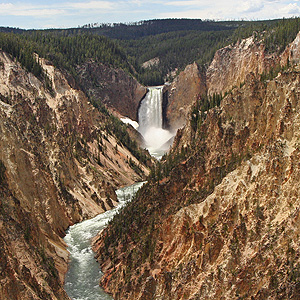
x=157, y=140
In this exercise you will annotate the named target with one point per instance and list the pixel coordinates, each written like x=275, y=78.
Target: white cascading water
x=151, y=121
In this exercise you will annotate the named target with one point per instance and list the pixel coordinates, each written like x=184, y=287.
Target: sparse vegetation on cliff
x=23, y=51
x=200, y=108
x=62, y=166
x=204, y=217
x=118, y=128
x=2, y=172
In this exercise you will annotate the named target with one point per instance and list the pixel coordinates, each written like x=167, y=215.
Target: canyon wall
x=181, y=94
x=228, y=69
x=59, y=165
x=220, y=217
x=116, y=88
x=231, y=64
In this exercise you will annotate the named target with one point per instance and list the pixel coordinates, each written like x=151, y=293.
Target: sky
x=41, y=14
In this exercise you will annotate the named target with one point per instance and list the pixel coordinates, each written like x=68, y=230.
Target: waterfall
x=150, y=112
x=157, y=139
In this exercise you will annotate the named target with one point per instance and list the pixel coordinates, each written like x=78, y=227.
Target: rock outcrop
x=291, y=53
x=59, y=165
x=222, y=222
x=181, y=94
x=233, y=63
x=116, y=88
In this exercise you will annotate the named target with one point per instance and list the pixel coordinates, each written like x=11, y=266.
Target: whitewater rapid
x=82, y=278
x=157, y=139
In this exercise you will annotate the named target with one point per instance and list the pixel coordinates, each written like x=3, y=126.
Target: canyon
x=219, y=217
x=59, y=166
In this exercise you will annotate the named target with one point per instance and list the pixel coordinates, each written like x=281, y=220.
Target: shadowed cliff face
x=223, y=223
x=60, y=167
x=118, y=90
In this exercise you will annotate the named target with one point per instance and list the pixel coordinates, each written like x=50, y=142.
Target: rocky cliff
x=231, y=64
x=229, y=68
x=182, y=93
x=116, y=88
x=59, y=164
x=220, y=217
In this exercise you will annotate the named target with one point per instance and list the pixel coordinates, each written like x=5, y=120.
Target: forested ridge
x=175, y=43
x=137, y=30
x=66, y=52
x=176, y=49
x=179, y=42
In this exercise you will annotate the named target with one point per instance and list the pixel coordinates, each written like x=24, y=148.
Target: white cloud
x=67, y=8
x=186, y=3
x=291, y=9
x=90, y=5
x=251, y=6
x=137, y=2
x=6, y=6
x=38, y=12
x=232, y=9
x=9, y=9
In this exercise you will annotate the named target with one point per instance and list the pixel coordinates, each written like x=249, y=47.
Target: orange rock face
x=229, y=69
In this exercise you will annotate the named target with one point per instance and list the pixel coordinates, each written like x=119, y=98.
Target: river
x=82, y=278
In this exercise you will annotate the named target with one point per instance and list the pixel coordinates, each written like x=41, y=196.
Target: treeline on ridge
x=177, y=49
x=137, y=30
x=175, y=42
